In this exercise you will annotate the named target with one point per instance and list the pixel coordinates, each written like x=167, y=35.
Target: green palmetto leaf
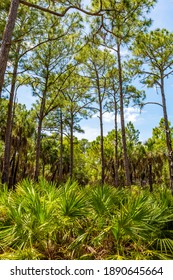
x=24, y=254
x=102, y=200
x=72, y=202
x=164, y=245
x=31, y=218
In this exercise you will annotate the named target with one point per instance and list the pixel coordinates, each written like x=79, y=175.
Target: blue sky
x=150, y=116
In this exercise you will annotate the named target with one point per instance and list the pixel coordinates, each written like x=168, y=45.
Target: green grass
x=40, y=221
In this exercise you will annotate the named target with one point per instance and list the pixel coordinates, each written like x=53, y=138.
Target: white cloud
x=131, y=114
x=108, y=117
x=90, y=133
x=95, y=116
x=93, y=130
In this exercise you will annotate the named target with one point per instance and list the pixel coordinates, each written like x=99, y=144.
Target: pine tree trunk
x=15, y=171
x=6, y=40
x=71, y=146
x=116, y=144
x=100, y=99
x=11, y=177
x=102, y=147
x=125, y=157
x=39, y=129
x=150, y=176
x=168, y=135
x=61, y=148
x=6, y=163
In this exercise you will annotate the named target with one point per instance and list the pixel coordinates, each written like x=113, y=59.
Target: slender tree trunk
x=102, y=147
x=39, y=129
x=150, y=176
x=100, y=99
x=168, y=135
x=54, y=173
x=6, y=40
x=24, y=168
x=11, y=177
x=43, y=168
x=61, y=148
x=125, y=157
x=116, y=144
x=15, y=171
x=71, y=146
x=6, y=163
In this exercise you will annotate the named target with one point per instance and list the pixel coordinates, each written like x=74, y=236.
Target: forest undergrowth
x=42, y=221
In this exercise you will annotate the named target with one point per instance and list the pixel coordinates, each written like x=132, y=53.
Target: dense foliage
x=40, y=221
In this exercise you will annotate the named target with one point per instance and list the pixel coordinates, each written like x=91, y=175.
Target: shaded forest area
x=65, y=198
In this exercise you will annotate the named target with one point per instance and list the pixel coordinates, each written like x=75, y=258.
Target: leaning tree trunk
x=125, y=157
x=168, y=135
x=6, y=40
x=6, y=162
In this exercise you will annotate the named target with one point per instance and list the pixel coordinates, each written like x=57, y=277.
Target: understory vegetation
x=41, y=221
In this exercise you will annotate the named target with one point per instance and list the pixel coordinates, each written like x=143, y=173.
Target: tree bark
x=61, y=148
x=71, y=146
x=6, y=40
x=6, y=162
x=101, y=130
x=116, y=144
x=125, y=157
x=15, y=171
x=150, y=177
x=168, y=135
x=102, y=147
x=39, y=129
x=11, y=177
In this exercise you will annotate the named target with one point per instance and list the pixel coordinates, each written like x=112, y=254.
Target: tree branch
x=152, y=103
x=65, y=11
